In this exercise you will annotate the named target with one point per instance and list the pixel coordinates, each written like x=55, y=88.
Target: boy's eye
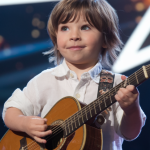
x=85, y=27
x=64, y=28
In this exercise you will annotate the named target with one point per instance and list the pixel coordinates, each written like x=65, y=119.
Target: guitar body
x=85, y=137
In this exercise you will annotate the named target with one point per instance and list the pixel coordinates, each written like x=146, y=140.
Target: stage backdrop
x=23, y=38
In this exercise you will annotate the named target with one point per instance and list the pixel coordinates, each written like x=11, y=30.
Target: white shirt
x=45, y=89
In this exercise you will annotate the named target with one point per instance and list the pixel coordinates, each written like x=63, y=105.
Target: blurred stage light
x=35, y=33
x=7, y=52
x=15, y=2
x=41, y=25
x=139, y=6
x=146, y=2
x=138, y=19
x=23, y=50
x=132, y=56
x=35, y=22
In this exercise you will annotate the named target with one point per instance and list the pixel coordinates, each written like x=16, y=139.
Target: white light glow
x=132, y=56
x=16, y=2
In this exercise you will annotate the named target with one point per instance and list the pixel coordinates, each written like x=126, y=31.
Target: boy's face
x=79, y=42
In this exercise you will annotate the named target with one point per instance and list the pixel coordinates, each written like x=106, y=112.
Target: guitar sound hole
x=56, y=139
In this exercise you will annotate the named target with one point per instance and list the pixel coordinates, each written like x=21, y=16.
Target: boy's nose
x=75, y=36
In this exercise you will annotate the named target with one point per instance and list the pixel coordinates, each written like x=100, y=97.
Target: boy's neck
x=79, y=69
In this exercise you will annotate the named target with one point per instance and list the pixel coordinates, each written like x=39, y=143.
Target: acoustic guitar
x=71, y=122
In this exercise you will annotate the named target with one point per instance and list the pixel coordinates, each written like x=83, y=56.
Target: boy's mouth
x=76, y=47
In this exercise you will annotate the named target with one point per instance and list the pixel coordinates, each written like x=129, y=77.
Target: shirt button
x=71, y=75
x=77, y=95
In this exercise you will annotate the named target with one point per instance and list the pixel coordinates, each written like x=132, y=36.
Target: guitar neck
x=103, y=101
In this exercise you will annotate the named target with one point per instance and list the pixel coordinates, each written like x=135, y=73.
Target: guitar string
x=85, y=110
x=62, y=123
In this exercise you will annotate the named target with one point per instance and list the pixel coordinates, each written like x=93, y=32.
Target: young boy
x=86, y=39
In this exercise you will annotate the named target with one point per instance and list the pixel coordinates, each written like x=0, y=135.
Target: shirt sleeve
x=118, y=113
x=25, y=100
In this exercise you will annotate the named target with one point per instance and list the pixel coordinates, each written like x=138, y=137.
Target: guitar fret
x=129, y=81
x=65, y=128
x=97, y=106
x=110, y=96
x=94, y=108
x=82, y=116
x=100, y=105
x=90, y=110
x=136, y=78
x=78, y=118
x=104, y=100
x=86, y=114
x=145, y=72
x=69, y=128
x=75, y=122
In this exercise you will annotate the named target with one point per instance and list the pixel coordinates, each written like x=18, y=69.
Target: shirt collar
x=95, y=71
x=63, y=70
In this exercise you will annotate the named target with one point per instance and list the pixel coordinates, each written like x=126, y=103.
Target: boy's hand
x=128, y=98
x=36, y=127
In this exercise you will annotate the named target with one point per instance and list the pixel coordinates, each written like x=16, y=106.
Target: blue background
x=21, y=55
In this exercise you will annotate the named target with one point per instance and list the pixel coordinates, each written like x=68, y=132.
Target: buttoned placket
x=80, y=90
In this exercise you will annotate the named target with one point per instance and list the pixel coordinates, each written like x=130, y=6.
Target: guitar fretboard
x=103, y=101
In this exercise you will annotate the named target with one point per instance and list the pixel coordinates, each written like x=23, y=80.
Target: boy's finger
x=39, y=140
x=123, y=77
x=45, y=120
